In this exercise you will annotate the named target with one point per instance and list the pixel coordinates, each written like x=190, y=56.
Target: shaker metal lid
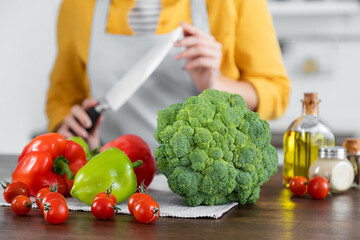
x=337, y=152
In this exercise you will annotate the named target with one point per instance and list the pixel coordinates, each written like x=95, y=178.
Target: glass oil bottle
x=303, y=138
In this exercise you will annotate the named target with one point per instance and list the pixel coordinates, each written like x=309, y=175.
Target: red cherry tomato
x=146, y=211
x=106, y=195
x=21, y=205
x=40, y=195
x=298, y=185
x=318, y=187
x=52, y=195
x=14, y=189
x=55, y=211
x=135, y=198
x=103, y=208
x=42, y=192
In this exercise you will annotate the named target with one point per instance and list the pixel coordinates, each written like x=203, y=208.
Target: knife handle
x=94, y=113
x=94, y=117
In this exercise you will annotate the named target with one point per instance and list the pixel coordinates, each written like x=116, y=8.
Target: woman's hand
x=203, y=56
x=78, y=121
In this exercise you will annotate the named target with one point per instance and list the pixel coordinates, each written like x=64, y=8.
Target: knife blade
x=126, y=86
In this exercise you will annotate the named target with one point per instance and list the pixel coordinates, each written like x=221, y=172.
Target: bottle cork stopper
x=311, y=96
x=311, y=103
x=352, y=145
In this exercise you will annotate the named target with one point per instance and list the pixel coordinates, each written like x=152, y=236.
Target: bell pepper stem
x=137, y=163
x=94, y=152
x=61, y=167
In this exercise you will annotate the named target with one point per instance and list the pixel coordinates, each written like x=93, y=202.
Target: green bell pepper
x=109, y=168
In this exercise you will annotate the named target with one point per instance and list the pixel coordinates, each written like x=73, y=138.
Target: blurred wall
x=27, y=52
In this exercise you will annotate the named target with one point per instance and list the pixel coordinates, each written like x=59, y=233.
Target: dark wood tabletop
x=276, y=215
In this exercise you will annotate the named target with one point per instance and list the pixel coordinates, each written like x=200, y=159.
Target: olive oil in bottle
x=303, y=139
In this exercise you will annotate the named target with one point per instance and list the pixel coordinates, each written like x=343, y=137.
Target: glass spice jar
x=332, y=164
x=353, y=153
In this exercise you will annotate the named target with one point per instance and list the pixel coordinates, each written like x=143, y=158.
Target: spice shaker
x=353, y=150
x=332, y=164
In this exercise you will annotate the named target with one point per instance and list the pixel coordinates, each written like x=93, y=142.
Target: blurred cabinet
x=320, y=41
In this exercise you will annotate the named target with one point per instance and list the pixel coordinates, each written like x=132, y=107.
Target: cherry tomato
x=103, y=208
x=52, y=195
x=298, y=185
x=135, y=198
x=55, y=211
x=106, y=195
x=21, y=205
x=318, y=187
x=42, y=192
x=40, y=195
x=14, y=189
x=146, y=211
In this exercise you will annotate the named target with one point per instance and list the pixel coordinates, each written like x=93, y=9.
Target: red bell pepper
x=136, y=149
x=47, y=160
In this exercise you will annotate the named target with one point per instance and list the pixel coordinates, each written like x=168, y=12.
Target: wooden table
x=276, y=215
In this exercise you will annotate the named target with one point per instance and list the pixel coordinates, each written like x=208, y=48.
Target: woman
x=228, y=45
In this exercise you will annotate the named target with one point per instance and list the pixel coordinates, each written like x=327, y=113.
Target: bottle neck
x=310, y=108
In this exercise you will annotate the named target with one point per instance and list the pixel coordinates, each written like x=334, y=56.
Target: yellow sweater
x=243, y=27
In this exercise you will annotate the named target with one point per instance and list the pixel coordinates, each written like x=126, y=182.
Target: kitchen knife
x=134, y=78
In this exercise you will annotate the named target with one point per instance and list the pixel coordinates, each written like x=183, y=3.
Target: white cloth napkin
x=171, y=204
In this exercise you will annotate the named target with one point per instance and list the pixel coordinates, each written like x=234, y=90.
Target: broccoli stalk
x=214, y=150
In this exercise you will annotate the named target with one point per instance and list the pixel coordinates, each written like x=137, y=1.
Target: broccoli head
x=214, y=150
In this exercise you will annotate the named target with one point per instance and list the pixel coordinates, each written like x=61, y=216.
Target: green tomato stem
x=29, y=204
x=116, y=208
x=142, y=188
x=156, y=213
x=4, y=183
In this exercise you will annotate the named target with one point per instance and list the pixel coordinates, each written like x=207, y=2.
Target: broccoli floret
x=214, y=150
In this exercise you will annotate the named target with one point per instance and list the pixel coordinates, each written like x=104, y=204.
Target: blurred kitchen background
x=320, y=41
